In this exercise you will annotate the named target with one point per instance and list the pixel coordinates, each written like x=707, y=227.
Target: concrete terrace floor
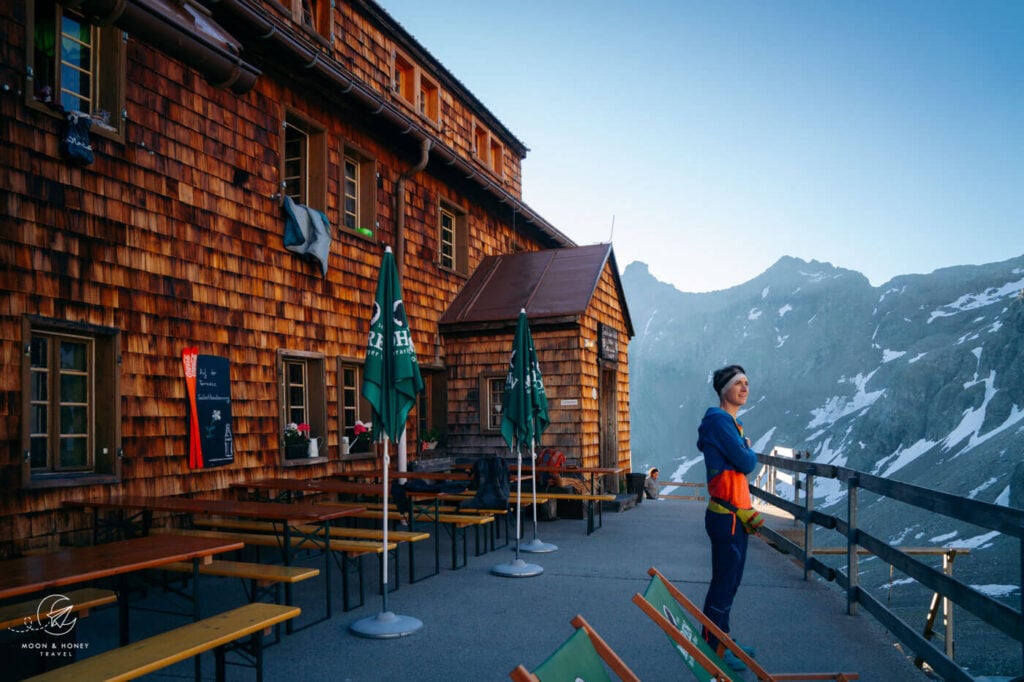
x=478, y=626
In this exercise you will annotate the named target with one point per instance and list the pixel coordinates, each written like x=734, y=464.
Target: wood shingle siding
x=173, y=237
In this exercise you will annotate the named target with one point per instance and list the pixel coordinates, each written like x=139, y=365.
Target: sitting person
x=651, y=485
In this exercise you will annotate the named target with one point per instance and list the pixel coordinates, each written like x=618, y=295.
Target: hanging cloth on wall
x=307, y=232
x=75, y=143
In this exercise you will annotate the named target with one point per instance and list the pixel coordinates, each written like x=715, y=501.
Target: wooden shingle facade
x=200, y=119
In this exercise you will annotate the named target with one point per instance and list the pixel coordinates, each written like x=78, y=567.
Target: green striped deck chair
x=584, y=657
x=675, y=613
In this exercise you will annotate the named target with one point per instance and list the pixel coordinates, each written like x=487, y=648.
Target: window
x=492, y=392
x=359, y=192
x=315, y=17
x=415, y=88
x=496, y=158
x=304, y=162
x=481, y=143
x=302, y=395
x=69, y=371
x=453, y=252
x=76, y=66
x=353, y=408
x=430, y=99
x=405, y=79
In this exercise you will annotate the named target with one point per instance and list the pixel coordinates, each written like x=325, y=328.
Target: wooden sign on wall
x=608, y=342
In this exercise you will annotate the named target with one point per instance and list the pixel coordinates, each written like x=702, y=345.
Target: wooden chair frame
x=607, y=654
x=715, y=666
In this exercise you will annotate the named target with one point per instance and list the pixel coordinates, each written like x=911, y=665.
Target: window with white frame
x=453, y=236
x=69, y=371
x=75, y=66
x=304, y=161
x=354, y=408
x=492, y=392
x=358, y=191
x=302, y=382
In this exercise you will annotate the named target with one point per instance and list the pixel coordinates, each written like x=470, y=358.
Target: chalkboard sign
x=213, y=408
x=609, y=342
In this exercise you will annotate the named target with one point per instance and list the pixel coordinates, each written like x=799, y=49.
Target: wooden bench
x=337, y=533
x=588, y=499
x=217, y=633
x=352, y=551
x=27, y=614
x=264, y=579
x=456, y=524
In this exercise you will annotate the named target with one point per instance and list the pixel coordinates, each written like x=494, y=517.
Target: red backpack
x=548, y=458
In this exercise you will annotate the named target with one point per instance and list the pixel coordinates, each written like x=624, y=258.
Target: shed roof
x=551, y=285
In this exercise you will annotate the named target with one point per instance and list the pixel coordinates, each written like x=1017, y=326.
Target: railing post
x=947, y=605
x=808, y=524
x=852, y=569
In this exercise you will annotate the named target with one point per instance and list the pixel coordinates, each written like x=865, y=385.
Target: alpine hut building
x=197, y=197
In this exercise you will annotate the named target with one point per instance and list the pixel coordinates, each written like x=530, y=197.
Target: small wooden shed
x=581, y=328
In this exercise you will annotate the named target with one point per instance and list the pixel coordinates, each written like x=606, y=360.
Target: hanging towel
x=307, y=232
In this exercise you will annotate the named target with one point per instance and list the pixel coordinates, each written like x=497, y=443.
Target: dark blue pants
x=728, y=556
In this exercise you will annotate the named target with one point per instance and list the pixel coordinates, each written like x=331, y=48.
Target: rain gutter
x=184, y=31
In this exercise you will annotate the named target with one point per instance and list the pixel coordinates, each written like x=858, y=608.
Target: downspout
x=403, y=446
x=400, y=204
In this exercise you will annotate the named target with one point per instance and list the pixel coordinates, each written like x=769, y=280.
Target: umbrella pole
x=518, y=568
x=519, y=492
x=536, y=545
x=384, y=579
x=386, y=625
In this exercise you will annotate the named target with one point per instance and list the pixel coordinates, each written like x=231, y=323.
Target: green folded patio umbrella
x=391, y=382
x=524, y=417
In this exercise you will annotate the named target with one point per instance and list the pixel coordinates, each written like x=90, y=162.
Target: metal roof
x=552, y=285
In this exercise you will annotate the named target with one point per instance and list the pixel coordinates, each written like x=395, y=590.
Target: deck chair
x=582, y=658
x=672, y=611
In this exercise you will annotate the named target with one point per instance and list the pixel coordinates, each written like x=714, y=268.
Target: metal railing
x=1007, y=520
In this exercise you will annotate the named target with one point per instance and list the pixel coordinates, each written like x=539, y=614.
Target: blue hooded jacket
x=726, y=456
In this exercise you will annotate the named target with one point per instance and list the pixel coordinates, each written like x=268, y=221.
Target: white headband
x=736, y=377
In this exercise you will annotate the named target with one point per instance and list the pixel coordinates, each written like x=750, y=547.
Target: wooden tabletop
x=80, y=564
x=576, y=470
x=424, y=475
x=292, y=513
x=316, y=485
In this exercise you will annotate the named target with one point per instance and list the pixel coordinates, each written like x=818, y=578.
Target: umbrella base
x=517, y=569
x=536, y=546
x=386, y=625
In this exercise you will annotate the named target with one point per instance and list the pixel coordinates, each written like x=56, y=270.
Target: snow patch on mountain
x=902, y=457
x=890, y=355
x=838, y=406
x=973, y=301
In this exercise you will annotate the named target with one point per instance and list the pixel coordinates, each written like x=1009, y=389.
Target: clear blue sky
x=884, y=136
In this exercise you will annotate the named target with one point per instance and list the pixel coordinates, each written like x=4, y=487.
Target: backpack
x=491, y=481
x=548, y=458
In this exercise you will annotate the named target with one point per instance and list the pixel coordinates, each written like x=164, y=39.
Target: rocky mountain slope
x=920, y=380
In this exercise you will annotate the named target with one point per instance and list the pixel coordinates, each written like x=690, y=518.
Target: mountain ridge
x=920, y=379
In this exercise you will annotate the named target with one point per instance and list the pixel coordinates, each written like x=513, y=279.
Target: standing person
x=651, y=486
x=729, y=516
